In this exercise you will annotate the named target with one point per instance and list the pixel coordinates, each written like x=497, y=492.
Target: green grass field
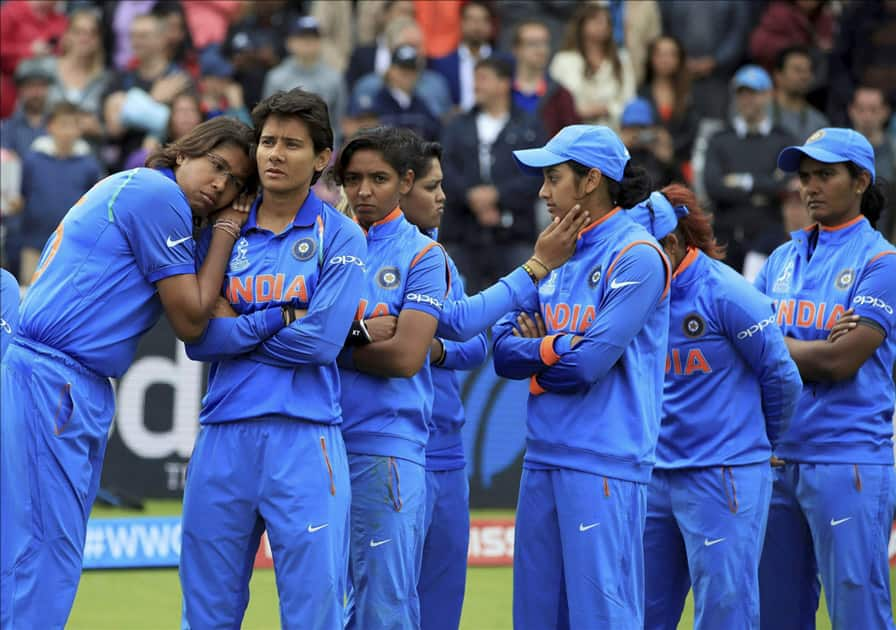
x=150, y=599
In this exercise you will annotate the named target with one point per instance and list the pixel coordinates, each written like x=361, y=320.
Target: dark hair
x=420, y=152
x=63, y=108
x=486, y=6
x=498, y=65
x=633, y=189
x=206, y=137
x=526, y=23
x=870, y=88
x=781, y=58
x=390, y=142
x=575, y=37
x=695, y=229
x=185, y=50
x=873, y=199
x=681, y=83
x=193, y=96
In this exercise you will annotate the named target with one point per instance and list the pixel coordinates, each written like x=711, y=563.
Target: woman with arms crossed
x=833, y=495
x=120, y=256
x=729, y=392
x=594, y=356
x=270, y=453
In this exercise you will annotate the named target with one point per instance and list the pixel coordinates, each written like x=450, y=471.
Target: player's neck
x=279, y=209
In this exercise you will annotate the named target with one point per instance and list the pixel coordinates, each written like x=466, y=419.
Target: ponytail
x=634, y=188
x=873, y=199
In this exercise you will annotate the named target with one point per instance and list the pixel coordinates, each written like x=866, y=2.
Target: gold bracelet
x=538, y=262
x=531, y=273
x=227, y=230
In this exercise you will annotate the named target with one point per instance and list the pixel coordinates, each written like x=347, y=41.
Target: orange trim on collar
x=594, y=224
x=842, y=226
x=686, y=262
x=396, y=212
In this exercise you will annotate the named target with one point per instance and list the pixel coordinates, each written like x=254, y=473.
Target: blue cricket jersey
x=445, y=449
x=596, y=407
x=727, y=369
x=93, y=294
x=9, y=308
x=316, y=263
x=813, y=279
x=390, y=416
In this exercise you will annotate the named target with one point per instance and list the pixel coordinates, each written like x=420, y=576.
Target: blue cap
x=752, y=77
x=305, y=25
x=658, y=215
x=830, y=145
x=212, y=64
x=638, y=113
x=590, y=145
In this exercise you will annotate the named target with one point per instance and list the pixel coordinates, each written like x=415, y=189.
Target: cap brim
x=531, y=161
x=789, y=159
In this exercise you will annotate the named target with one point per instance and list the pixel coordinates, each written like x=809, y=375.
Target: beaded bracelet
x=531, y=273
x=229, y=227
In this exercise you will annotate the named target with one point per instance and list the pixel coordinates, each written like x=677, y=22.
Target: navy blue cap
x=405, y=56
x=658, y=215
x=637, y=113
x=242, y=40
x=213, y=65
x=305, y=25
x=830, y=145
x=593, y=146
x=752, y=77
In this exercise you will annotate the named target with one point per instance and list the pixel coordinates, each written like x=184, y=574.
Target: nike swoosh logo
x=834, y=523
x=710, y=543
x=619, y=285
x=311, y=529
x=171, y=243
x=379, y=542
x=585, y=528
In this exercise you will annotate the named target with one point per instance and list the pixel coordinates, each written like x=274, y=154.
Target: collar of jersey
x=167, y=172
x=835, y=234
x=597, y=229
x=305, y=217
x=387, y=226
x=689, y=269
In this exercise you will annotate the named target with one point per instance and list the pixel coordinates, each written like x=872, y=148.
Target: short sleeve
x=427, y=283
x=875, y=294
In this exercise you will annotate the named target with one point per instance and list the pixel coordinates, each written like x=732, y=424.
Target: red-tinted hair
x=695, y=227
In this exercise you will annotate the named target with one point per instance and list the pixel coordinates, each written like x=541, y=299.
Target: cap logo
x=815, y=137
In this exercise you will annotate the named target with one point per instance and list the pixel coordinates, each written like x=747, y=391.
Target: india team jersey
x=813, y=279
x=314, y=264
x=404, y=270
x=730, y=384
x=596, y=407
x=9, y=309
x=93, y=294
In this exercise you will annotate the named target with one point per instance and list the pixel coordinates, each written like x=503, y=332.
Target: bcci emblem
x=594, y=276
x=240, y=262
x=694, y=326
x=388, y=277
x=844, y=279
x=815, y=137
x=303, y=249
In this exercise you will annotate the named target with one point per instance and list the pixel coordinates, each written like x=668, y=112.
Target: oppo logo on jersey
x=266, y=288
x=758, y=327
x=695, y=362
x=423, y=299
x=868, y=300
x=807, y=314
x=571, y=318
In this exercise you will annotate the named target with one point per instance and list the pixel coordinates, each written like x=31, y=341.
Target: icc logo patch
x=240, y=262
x=594, y=276
x=388, y=277
x=694, y=326
x=303, y=249
x=844, y=279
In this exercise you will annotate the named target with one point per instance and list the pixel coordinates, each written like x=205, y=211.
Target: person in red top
x=27, y=29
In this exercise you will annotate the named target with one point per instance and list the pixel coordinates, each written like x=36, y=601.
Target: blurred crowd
x=705, y=92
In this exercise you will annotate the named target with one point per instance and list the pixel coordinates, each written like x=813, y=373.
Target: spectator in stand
x=794, y=216
x=33, y=79
x=868, y=114
x=208, y=20
x=598, y=75
x=305, y=68
x=741, y=175
x=793, y=79
x=441, y=25
x=642, y=24
x=373, y=54
x=533, y=90
x=186, y=113
x=64, y=159
x=492, y=207
x=863, y=54
x=124, y=14
x=667, y=87
x=27, y=29
x=476, y=33
x=256, y=43
x=555, y=14
x=431, y=87
x=649, y=144
x=219, y=94
x=178, y=41
x=127, y=113
x=335, y=20
x=81, y=75
x=788, y=23
x=396, y=104
x=714, y=35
